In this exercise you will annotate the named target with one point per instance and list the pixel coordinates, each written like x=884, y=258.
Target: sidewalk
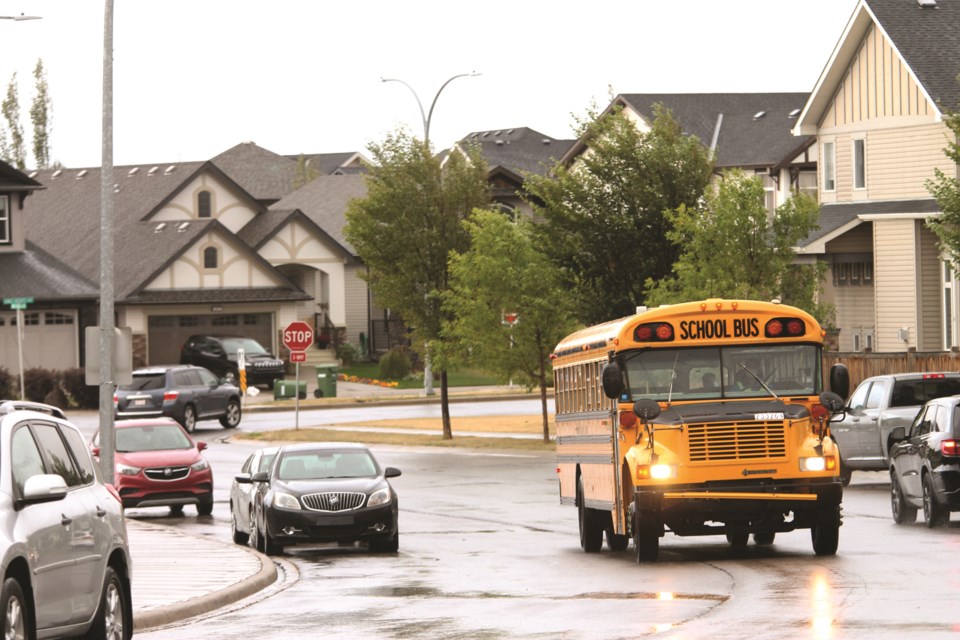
x=172, y=580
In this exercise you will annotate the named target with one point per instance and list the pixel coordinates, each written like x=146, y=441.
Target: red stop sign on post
x=298, y=336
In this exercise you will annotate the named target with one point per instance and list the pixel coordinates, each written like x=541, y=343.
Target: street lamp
x=20, y=18
x=426, y=117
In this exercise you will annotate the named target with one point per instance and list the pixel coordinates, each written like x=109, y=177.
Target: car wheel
x=825, y=535
x=934, y=513
x=189, y=418
x=231, y=418
x=112, y=621
x=270, y=546
x=386, y=544
x=764, y=538
x=205, y=506
x=176, y=509
x=591, y=529
x=903, y=513
x=739, y=539
x=254, y=540
x=16, y=615
x=239, y=537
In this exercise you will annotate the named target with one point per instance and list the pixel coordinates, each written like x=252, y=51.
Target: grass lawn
x=462, y=378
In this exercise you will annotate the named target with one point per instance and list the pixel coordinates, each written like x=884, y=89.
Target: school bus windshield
x=723, y=372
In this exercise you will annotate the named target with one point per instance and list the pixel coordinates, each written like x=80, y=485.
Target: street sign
x=18, y=303
x=298, y=336
x=298, y=356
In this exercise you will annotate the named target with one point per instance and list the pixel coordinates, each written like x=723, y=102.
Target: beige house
x=877, y=113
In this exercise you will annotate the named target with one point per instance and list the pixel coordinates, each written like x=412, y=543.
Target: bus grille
x=736, y=441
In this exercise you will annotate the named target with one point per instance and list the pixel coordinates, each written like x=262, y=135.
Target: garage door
x=165, y=334
x=49, y=340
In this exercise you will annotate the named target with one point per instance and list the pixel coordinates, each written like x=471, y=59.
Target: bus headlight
x=818, y=463
x=657, y=471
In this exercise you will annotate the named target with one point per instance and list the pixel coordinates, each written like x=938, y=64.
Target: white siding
x=226, y=207
x=356, y=305
x=896, y=281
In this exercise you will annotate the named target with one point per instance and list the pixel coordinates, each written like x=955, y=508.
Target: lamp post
x=427, y=116
x=20, y=18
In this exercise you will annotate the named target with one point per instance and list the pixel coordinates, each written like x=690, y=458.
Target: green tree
x=946, y=190
x=405, y=229
x=605, y=221
x=13, y=149
x=305, y=172
x=731, y=247
x=41, y=117
x=505, y=273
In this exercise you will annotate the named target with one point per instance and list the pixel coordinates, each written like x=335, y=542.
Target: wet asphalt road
x=487, y=552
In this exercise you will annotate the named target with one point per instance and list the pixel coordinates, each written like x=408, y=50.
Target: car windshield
x=151, y=438
x=723, y=372
x=145, y=382
x=250, y=347
x=320, y=465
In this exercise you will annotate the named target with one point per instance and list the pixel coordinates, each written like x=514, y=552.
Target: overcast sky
x=193, y=78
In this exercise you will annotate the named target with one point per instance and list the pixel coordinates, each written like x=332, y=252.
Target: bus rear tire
x=591, y=526
x=616, y=542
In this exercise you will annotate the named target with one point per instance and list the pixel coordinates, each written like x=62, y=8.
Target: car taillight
x=116, y=400
x=950, y=447
x=170, y=395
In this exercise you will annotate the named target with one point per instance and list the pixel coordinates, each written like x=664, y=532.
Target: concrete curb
x=180, y=611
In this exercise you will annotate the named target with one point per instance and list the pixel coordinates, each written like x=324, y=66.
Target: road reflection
x=821, y=605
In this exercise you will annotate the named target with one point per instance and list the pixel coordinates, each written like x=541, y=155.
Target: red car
x=159, y=465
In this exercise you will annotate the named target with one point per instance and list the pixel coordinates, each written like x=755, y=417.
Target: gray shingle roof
x=263, y=174
x=324, y=201
x=37, y=274
x=744, y=140
x=928, y=38
x=520, y=150
x=834, y=216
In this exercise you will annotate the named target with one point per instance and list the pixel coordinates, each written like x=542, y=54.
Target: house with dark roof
x=877, y=113
x=748, y=131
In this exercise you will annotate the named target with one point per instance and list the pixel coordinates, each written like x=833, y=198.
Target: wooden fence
x=864, y=365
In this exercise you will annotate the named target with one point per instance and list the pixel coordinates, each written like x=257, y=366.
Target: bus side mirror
x=612, y=379
x=831, y=401
x=840, y=380
x=646, y=409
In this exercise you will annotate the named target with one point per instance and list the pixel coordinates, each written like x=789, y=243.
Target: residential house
x=877, y=113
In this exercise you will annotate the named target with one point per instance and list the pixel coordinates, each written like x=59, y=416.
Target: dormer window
x=204, y=208
x=5, y=220
x=210, y=258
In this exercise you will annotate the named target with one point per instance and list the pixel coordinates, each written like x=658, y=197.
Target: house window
x=189, y=321
x=859, y=164
x=852, y=270
x=52, y=317
x=829, y=167
x=225, y=321
x=203, y=204
x=949, y=307
x=807, y=183
x=4, y=220
x=210, y=258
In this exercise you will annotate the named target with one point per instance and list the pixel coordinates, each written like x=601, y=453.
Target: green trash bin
x=326, y=381
x=288, y=389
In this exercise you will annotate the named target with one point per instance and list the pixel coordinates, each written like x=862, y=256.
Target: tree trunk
x=445, y=406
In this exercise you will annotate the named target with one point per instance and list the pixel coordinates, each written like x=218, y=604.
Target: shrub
x=37, y=383
x=348, y=354
x=8, y=385
x=395, y=364
x=75, y=386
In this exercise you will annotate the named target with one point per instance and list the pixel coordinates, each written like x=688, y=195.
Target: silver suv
x=66, y=562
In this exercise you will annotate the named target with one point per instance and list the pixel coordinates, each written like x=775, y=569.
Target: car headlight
x=285, y=501
x=127, y=470
x=200, y=465
x=379, y=497
x=818, y=463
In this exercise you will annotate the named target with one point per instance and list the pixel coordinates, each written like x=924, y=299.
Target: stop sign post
x=297, y=337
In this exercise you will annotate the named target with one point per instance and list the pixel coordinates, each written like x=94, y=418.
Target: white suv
x=66, y=562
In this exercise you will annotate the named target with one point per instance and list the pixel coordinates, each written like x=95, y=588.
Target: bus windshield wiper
x=758, y=379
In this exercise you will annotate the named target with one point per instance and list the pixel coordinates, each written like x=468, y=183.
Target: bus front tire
x=825, y=534
x=647, y=539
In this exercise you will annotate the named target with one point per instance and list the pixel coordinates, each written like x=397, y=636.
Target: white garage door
x=49, y=340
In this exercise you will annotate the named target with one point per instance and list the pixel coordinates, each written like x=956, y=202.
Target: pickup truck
x=879, y=405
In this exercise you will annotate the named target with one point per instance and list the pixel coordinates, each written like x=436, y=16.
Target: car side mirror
x=898, y=434
x=44, y=487
x=391, y=472
x=260, y=476
x=243, y=479
x=611, y=378
x=201, y=446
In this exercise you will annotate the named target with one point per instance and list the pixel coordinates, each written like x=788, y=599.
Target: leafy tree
x=605, y=221
x=503, y=273
x=405, y=229
x=13, y=149
x=305, y=172
x=732, y=248
x=41, y=117
x=946, y=190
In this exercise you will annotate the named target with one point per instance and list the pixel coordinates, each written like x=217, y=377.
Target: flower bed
x=343, y=377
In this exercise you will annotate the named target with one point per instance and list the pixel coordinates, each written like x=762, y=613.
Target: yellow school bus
x=701, y=418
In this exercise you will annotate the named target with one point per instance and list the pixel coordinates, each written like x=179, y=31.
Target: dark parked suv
x=183, y=392
x=219, y=355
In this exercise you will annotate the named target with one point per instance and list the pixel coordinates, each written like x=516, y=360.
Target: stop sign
x=298, y=336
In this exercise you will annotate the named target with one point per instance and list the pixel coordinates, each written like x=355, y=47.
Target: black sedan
x=319, y=493
x=183, y=392
x=925, y=464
